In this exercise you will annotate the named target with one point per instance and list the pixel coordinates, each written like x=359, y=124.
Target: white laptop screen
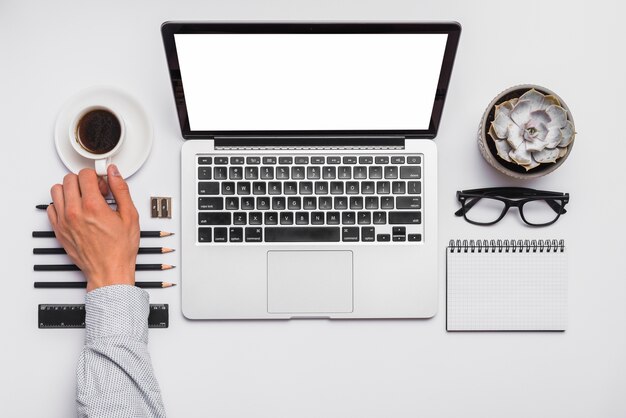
x=277, y=82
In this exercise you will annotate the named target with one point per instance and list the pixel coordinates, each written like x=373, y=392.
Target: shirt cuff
x=117, y=310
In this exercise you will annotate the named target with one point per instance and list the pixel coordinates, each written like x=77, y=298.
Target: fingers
x=90, y=189
x=71, y=192
x=56, y=192
x=52, y=216
x=121, y=193
x=103, y=186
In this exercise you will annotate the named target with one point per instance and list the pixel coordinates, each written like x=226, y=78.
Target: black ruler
x=73, y=316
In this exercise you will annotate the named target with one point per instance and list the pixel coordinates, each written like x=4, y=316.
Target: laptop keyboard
x=296, y=198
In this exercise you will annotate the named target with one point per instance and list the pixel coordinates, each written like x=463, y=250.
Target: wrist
x=109, y=278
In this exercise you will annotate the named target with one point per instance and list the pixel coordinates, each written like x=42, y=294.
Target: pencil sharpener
x=161, y=207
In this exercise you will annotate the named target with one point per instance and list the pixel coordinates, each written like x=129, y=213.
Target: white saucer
x=139, y=136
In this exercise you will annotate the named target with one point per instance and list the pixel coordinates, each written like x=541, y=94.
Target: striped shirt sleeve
x=114, y=374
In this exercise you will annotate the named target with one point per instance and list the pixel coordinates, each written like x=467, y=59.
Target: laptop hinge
x=308, y=142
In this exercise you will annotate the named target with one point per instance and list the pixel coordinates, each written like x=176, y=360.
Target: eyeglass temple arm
x=556, y=207
x=466, y=206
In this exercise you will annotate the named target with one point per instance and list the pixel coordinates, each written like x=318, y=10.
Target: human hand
x=101, y=241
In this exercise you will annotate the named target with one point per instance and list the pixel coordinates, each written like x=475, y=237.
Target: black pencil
x=74, y=267
x=142, y=250
x=82, y=285
x=143, y=234
x=45, y=206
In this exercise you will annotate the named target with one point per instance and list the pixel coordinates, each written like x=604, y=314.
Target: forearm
x=115, y=376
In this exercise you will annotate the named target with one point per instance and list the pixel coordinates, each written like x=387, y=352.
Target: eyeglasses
x=487, y=206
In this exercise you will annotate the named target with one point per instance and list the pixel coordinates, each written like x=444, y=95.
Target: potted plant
x=527, y=131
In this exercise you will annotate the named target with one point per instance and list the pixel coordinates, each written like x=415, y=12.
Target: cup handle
x=101, y=166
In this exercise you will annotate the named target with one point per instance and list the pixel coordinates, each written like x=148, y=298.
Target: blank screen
x=280, y=82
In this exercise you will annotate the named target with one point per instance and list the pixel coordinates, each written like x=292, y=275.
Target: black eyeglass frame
x=511, y=197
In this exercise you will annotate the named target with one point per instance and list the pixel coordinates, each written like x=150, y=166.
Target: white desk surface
x=49, y=50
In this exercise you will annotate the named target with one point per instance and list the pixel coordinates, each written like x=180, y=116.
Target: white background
x=51, y=50
x=310, y=82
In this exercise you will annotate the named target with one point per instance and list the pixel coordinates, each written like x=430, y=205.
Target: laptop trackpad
x=303, y=282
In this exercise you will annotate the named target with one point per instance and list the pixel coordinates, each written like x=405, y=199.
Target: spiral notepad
x=506, y=285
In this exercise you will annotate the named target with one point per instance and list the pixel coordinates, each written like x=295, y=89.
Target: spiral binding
x=507, y=246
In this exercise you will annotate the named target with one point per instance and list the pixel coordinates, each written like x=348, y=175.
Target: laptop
x=309, y=170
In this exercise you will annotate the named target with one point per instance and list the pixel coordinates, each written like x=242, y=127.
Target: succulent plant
x=531, y=130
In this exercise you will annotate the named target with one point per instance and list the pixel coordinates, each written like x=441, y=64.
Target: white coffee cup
x=101, y=161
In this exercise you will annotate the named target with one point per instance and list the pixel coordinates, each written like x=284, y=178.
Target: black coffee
x=98, y=131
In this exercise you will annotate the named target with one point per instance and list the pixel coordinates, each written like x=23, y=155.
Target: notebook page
x=498, y=291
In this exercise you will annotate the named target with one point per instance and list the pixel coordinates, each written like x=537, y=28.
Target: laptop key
x=411, y=172
x=345, y=172
x=382, y=160
x=254, y=234
x=356, y=202
x=350, y=233
x=220, y=234
x=310, y=203
x=376, y=172
x=326, y=202
x=208, y=187
x=321, y=187
x=368, y=233
x=386, y=202
x=364, y=218
x=259, y=187
x=232, y=203
x=371, y=202
x=405, y=217
x=382, y=187
x=205, y=160
x=263, y=203
x=317, y=218
x=415, y=187
x=237, y=160
x=366, y=160
x=235, y=173
x=413, y=159
x=271, y=218
x=336, y=187
x=368, y=187
x=408, y=202
x=341, y=202
x=282, y=173
x=302, y=234
x=252, y=173
x=243, y=187
x=278, y=203
x=204, y=173
x=220, y=173
x=267, y=173
x=236, y=234
x=398, y=187
x=294, y=203
x=313, y=172
x=240, y=218
x=285, y=160
x=398, y=233
x=297, y=172
x=256, y=218
x=397, y=160
x=383, y=237
x=269, y=160
x=302, y=218
x=317, y=160
x=391, y=172
x=348, y=218
x=306, y=187
x=333, y=160
x=360, y=172
x=291, y=187
x=380, y=218
x=221, y=160
x=253, y=160
x=333, y=218
x=204, y=234
x=352, y=187
x=275, y=187
x=214, y=218
x=415, y=237
x=286, y=218
x=302, y=160
x=210, y=203
x=329, y=172
x=228, y=187
x=349, y=160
